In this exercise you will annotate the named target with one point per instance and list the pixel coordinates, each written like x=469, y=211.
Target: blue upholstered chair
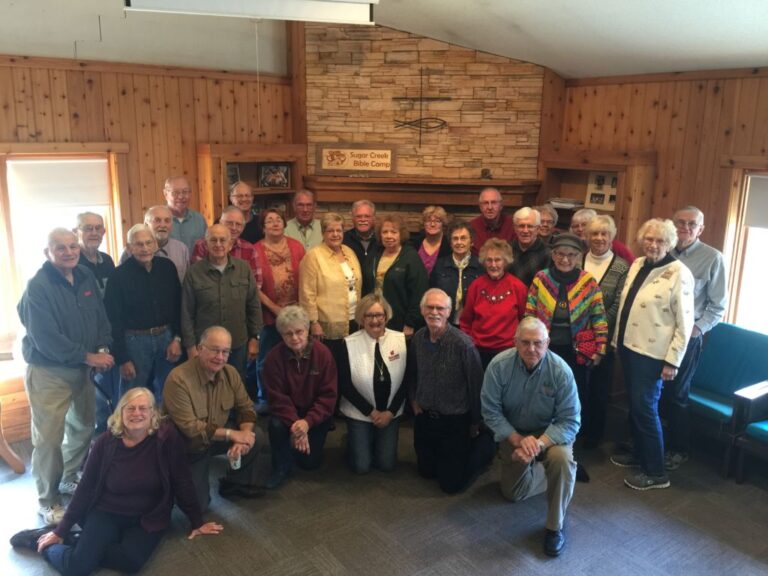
x=751, y=425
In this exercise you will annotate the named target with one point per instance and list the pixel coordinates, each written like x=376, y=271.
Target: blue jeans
x=108, y=541
x=238, y=358
x=642, y=377
x=368, y=444
x=147, y=353
x=283, y=454
x=107, y=395
x=268, y=339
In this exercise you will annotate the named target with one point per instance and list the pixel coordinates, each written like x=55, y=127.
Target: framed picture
x=233, y=173
x=275, y=175
x=601, y=191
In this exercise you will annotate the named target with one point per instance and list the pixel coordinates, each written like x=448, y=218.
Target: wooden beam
x=257, y=152
x=598, y=159
x=17, y=61
x=32, y=148
x=746, y=162
x=669, y=77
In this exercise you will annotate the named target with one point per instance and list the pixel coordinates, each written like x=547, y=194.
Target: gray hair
x=691, y=208
x=83, y=215
x=155, y=208
x=499, y=245
x=493, y=189
x=57, y=231
x=234, y=186
x=330, y=218
x=358, y=203
x=115, y=421
x=135, y=229
x=586, y=214
x=167, y=183
x=210, y=330
x=231, y=210
x=531, y=323
x=525, y=212
x=662, y=225
x=290, y=316
x=602, y=222
x=549, y=209
x=431, y=291
x=305, y=192
x=365, y=304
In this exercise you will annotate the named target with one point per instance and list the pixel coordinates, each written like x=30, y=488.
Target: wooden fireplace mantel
x=419, y=191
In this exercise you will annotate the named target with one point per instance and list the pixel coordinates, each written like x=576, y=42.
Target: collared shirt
x=64, y=321
x=515, y=399
x=446, y=375
x=504, y=229
x=174, y=250
x=139, y=299
x=527, y=262
x=101, y=270
x=309, y=235
x=241, y=249
x=710, y=296
x=212, y=298
x=189, y=229
x=199, y=405
x=253, y=231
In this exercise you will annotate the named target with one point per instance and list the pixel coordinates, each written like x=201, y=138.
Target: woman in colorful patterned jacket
x=570, y=303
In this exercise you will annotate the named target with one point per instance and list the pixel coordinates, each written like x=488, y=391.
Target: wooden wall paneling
x=41, y=97
x=586, y=117
x=605, y=132
x=707, y=161
x=268, y=124
x=241, y=116
x=637, y=202
x=93, y=106
x=297, y=66
x=26, y=130
x=571, y=120
x=158, y=117
x=188, y=124
x=650, y=117
x=621, y=113
x=215, y=121
x=111, y=107
x=663, y=130
x=118, y=164
x=132, y=203
x=8, y=129
x=254, y=113
x=205, y=171
x=668, y=200
x=227, y=111
x=78, y=121
x=746, y=111
x=634, y=136
x=59, y=105
x=173, y=128
x=200, y=89
x=687, y=193
x=759, y=143
x=553, y=125
x=150, y=188
x=286, y=117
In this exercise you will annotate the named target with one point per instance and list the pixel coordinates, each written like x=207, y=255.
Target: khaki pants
x=556, y=475
x=63, y=405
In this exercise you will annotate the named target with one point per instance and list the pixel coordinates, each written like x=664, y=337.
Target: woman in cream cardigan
x=330, y=285
x=371, y=387
x=654, y=323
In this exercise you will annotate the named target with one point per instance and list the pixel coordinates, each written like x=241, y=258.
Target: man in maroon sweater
x=492, y=222
x=300, y=378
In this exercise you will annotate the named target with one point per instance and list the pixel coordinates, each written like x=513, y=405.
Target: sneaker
x=673, y=460
x=29, y=538
x=67, y=487
x=644, y=482
x=625, y=461
x=52, y=514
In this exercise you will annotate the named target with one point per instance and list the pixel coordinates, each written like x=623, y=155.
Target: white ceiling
x=583, y=38
x=575, y=38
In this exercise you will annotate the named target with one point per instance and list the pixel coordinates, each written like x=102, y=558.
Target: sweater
x=585, y=305
x=268, y=280
x=611, y=285
x=492, y=311
x=174, y=473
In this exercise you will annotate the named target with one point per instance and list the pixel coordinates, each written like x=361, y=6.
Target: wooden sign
x=355, y=159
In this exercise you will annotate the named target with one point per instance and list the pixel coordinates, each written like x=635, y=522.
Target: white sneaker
x=67, y=487
x=52, y=514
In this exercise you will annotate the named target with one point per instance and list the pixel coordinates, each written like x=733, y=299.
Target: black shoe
x=29, y=538
x=276, y=479
x=581, y=474
x=229, y=489
x=554, y=542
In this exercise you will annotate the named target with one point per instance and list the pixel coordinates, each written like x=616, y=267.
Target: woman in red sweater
x=495, y=303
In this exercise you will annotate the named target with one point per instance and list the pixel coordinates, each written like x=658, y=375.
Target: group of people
x=497, y=330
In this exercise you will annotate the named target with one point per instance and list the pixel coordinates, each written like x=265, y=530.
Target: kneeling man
x=198, y=396
x=529, y=400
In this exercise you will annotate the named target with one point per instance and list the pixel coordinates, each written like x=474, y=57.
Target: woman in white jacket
x=654, y=322
x=371, y=371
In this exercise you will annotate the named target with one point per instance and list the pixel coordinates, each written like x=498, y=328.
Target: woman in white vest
x=371, y=371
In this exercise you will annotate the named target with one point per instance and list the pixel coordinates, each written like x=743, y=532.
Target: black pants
x=581, y=374
x=283, y=454
x=108, y=541
x=674, y=399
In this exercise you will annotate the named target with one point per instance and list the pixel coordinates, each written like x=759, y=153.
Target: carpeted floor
x=332, y=522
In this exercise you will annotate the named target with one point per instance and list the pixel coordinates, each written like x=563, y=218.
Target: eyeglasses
x=91, y=228
x=374, y=315
x=140, y=409
x=433, y=221
x=686, y=223
x=184, y=192
x=294, y=333
x=545, y=222
x=538, y=344
x=218, y=351
x=435, y=308
x=566, y=255
x=657, y=241
x=242, y=196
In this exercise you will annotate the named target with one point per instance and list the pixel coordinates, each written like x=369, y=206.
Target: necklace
x=380, y=368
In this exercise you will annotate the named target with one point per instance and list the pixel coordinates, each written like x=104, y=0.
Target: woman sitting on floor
x=134, y=473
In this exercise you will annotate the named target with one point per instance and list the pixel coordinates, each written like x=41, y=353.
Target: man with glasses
x=90, y=234
x=241, y=197
x=530, y=402
x=199, y=396
x=706, y=265
x=362, y=236
x=530, y=252
x=160, y=220
x=492, y=222
x=445, y=373
x=304, y=227
x=188, y=225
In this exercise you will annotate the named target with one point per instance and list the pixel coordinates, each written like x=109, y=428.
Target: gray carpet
x=332, y=522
